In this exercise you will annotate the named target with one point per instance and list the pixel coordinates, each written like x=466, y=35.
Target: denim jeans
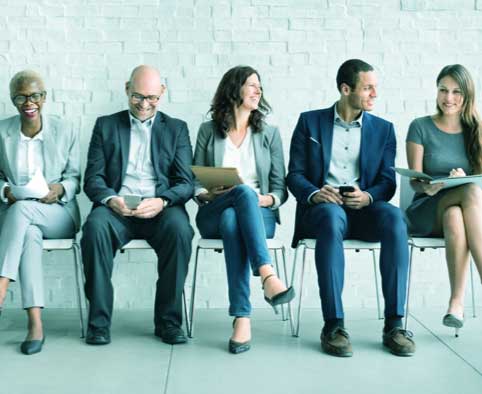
x=243, y=226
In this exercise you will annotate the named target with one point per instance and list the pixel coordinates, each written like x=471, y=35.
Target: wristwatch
x=165, y=202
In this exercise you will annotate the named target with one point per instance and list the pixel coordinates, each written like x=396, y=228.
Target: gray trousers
x=23, y=225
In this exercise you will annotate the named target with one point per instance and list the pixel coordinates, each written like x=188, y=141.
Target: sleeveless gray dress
x=441, y=153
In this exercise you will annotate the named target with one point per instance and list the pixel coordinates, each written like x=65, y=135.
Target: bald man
x=138, y=153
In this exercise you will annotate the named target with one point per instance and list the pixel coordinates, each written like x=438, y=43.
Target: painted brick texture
x=87, y=48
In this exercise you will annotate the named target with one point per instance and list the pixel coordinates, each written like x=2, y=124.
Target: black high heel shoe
x=282, y=297
x=32, y=347
x=450, y=320
x=238, y=347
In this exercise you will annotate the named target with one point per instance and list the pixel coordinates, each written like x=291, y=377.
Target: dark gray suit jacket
x=171, y=156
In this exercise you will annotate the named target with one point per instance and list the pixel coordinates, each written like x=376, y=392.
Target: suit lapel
x=326, y=138
x=124, y=141
x=49, y=148
x=219, y=145
x=11, y=146
x=366, y=142
x=258, y=139
x=156, y=140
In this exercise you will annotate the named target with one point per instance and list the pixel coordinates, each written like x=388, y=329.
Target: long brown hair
x=228, y=97
x=469, y=117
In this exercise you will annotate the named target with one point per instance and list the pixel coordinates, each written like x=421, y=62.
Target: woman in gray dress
x=449, y=144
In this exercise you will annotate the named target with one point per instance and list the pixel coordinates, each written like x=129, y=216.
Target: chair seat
x=136, y=244
x=420, y=242
x=206, y=243
x=57, y=244
x=310, y=243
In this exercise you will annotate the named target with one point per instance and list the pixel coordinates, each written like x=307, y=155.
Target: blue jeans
x=243, y=226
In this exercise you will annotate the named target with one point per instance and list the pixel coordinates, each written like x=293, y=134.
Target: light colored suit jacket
x=61, y=157
x=268, y=151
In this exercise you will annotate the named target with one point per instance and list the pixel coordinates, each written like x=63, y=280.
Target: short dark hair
x=228, y=97
x=348, y=72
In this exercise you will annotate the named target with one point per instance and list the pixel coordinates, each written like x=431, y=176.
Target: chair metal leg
x=409, y=282
x=302, y=275
x=376, y=283
x=283, y=255
x=279, y=276
x=193, y=294
x=78, y=273
x=186, y=317
x=293, y=272
x=472, y=287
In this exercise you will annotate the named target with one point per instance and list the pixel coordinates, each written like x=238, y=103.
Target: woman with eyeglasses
x=448, y=144
x=245, y=215
x=42, y=146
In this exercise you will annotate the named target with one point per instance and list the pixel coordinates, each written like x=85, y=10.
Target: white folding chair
x=422, y=243
x=70, y=244
x=138, y=244
x=274, y=245
x=348, y=244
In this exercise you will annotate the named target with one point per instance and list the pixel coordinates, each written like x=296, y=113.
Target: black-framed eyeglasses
x=34, y=98
x=136, y=98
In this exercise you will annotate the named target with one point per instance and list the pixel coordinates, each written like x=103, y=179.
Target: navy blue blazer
x=108, y=156
x=310, y=156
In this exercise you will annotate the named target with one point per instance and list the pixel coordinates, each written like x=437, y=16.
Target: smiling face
x=251, y=93
x=34, y=92
x=145, y=84
x=450, y=99
x=363, y=96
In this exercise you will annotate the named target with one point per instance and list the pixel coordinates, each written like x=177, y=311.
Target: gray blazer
x=268, y=151
x=61, y=157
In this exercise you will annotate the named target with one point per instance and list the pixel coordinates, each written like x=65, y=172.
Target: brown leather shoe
x=336, y=342
x=399, y=342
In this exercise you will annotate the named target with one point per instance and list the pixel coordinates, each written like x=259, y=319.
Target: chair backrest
x=406, y=193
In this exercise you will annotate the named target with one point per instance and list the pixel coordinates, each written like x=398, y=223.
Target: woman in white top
x=245, y=215
x=44, y=146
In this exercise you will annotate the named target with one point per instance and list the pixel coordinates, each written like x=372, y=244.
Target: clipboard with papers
x=210, y=177
x=448, y=181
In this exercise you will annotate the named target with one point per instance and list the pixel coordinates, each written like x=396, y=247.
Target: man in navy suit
x=146, y=153
x=346, y=146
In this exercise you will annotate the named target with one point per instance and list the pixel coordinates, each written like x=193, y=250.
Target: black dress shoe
x=170, y=333
x=32, y=347
x=97, y=336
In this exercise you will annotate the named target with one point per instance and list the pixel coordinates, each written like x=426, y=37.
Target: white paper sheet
x=37, y=187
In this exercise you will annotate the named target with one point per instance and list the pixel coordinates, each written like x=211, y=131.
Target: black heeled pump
x=238, y=347
x=450, y=320
x=282, y=297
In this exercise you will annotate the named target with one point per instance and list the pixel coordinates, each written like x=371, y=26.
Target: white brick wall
x=86, y=50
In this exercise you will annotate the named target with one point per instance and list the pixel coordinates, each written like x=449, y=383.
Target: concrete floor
x=137, y=362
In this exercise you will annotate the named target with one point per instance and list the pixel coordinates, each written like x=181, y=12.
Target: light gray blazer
x=61, y=157
x=268, y=151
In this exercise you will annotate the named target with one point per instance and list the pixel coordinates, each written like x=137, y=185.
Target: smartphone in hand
x=132, y=201
x=345, y=189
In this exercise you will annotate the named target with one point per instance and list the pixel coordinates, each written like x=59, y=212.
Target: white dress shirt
x=30, y=157
x=140, y=178
x=344, y=166
x=243, y=159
